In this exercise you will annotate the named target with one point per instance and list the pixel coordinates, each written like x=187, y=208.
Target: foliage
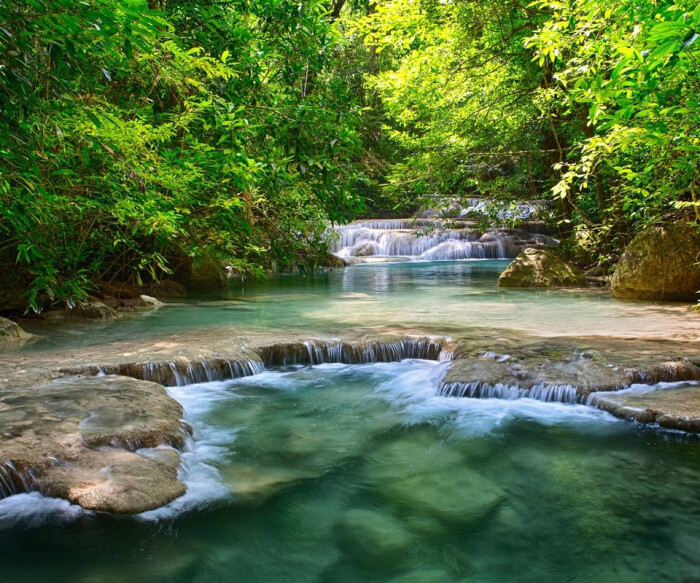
x=630, y=70
x=138, y=134
x=457, y=89
x=133, y=138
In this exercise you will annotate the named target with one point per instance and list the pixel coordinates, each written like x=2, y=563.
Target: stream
x=365, y=473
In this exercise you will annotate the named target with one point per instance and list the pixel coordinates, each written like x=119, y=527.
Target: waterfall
x=544, y=392
x=312, y=352
x=12, y=481
x=178, y=373
x=403, y=238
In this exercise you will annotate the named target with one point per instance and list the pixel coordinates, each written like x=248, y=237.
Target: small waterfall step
x=431, y=240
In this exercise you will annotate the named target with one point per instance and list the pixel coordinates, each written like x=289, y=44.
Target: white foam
x=413, y=394
x=198, y=469
x=35, y=510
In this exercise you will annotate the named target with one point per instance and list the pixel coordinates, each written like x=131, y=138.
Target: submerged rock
x=420, y=478
x=74, y=439
x=661, y=263
x=11, y=334
x=541, y=268
x=375, y=539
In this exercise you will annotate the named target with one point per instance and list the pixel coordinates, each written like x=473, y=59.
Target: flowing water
x=365, y=473
x=341, y=473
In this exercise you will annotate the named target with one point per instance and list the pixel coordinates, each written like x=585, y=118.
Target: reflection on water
x=441, y=297
x=337, y=474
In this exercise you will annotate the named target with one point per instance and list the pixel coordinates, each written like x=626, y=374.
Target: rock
x=424, y=576
x=334, y=261
x=673, y=408
x=149, y=302
x=11, y=333
x=166, y=288
x=92, y=311
x=202, y=274
x=374, y=538
x=112, y=480
x=421, y=477
x=541, y=268
x=365, y=250
x=661, y=263
x=74, y=439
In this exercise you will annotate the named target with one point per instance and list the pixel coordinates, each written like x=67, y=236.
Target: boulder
x=149, y=302
x=661, y=263
x=334, y=261
x=203, y=274
x=541, y=268
x=93, y=311
x=374, y=538
x=75, y=439
x=11, y=333
x=364, y=250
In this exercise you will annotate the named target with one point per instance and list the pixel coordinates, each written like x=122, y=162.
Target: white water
x=424, y=240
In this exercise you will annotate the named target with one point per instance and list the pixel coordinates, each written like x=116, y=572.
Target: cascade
x=432, y=240
x=182, y=372
x=12, y=481
x=544, y=392
x=311, y=352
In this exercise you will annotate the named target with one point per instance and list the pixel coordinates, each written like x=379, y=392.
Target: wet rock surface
x=11, y=334
x=75, y=439
x=541, y=268
x=674, y=407
x=661, y=263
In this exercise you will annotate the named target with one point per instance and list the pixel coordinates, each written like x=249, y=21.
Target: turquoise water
x=362, y=474
x=444, y=298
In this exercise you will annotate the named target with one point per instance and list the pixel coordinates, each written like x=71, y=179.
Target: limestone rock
x=541, y=268
x=11, y=333
x=420, y=478
x=334, y=261
x=675, y=408
x=203, y=274
x=149, y=302
x=661, y=263
x=365, y=250
x=112, y=480
x=93, y=311
x=74, y=439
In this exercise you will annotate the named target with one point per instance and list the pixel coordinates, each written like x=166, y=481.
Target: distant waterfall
x=426, y=240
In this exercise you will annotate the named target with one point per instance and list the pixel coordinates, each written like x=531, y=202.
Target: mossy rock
x=661, y=263
x=202, y=274
x=541, y=268
x=11, y=333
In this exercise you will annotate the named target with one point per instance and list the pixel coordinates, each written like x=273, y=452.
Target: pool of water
x=444, y=298
x=340, y=473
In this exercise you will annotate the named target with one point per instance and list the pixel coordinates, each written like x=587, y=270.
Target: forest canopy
x=138, y=135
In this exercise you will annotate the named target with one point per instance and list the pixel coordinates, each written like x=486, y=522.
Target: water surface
x=340, y=473
x=444, y=298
